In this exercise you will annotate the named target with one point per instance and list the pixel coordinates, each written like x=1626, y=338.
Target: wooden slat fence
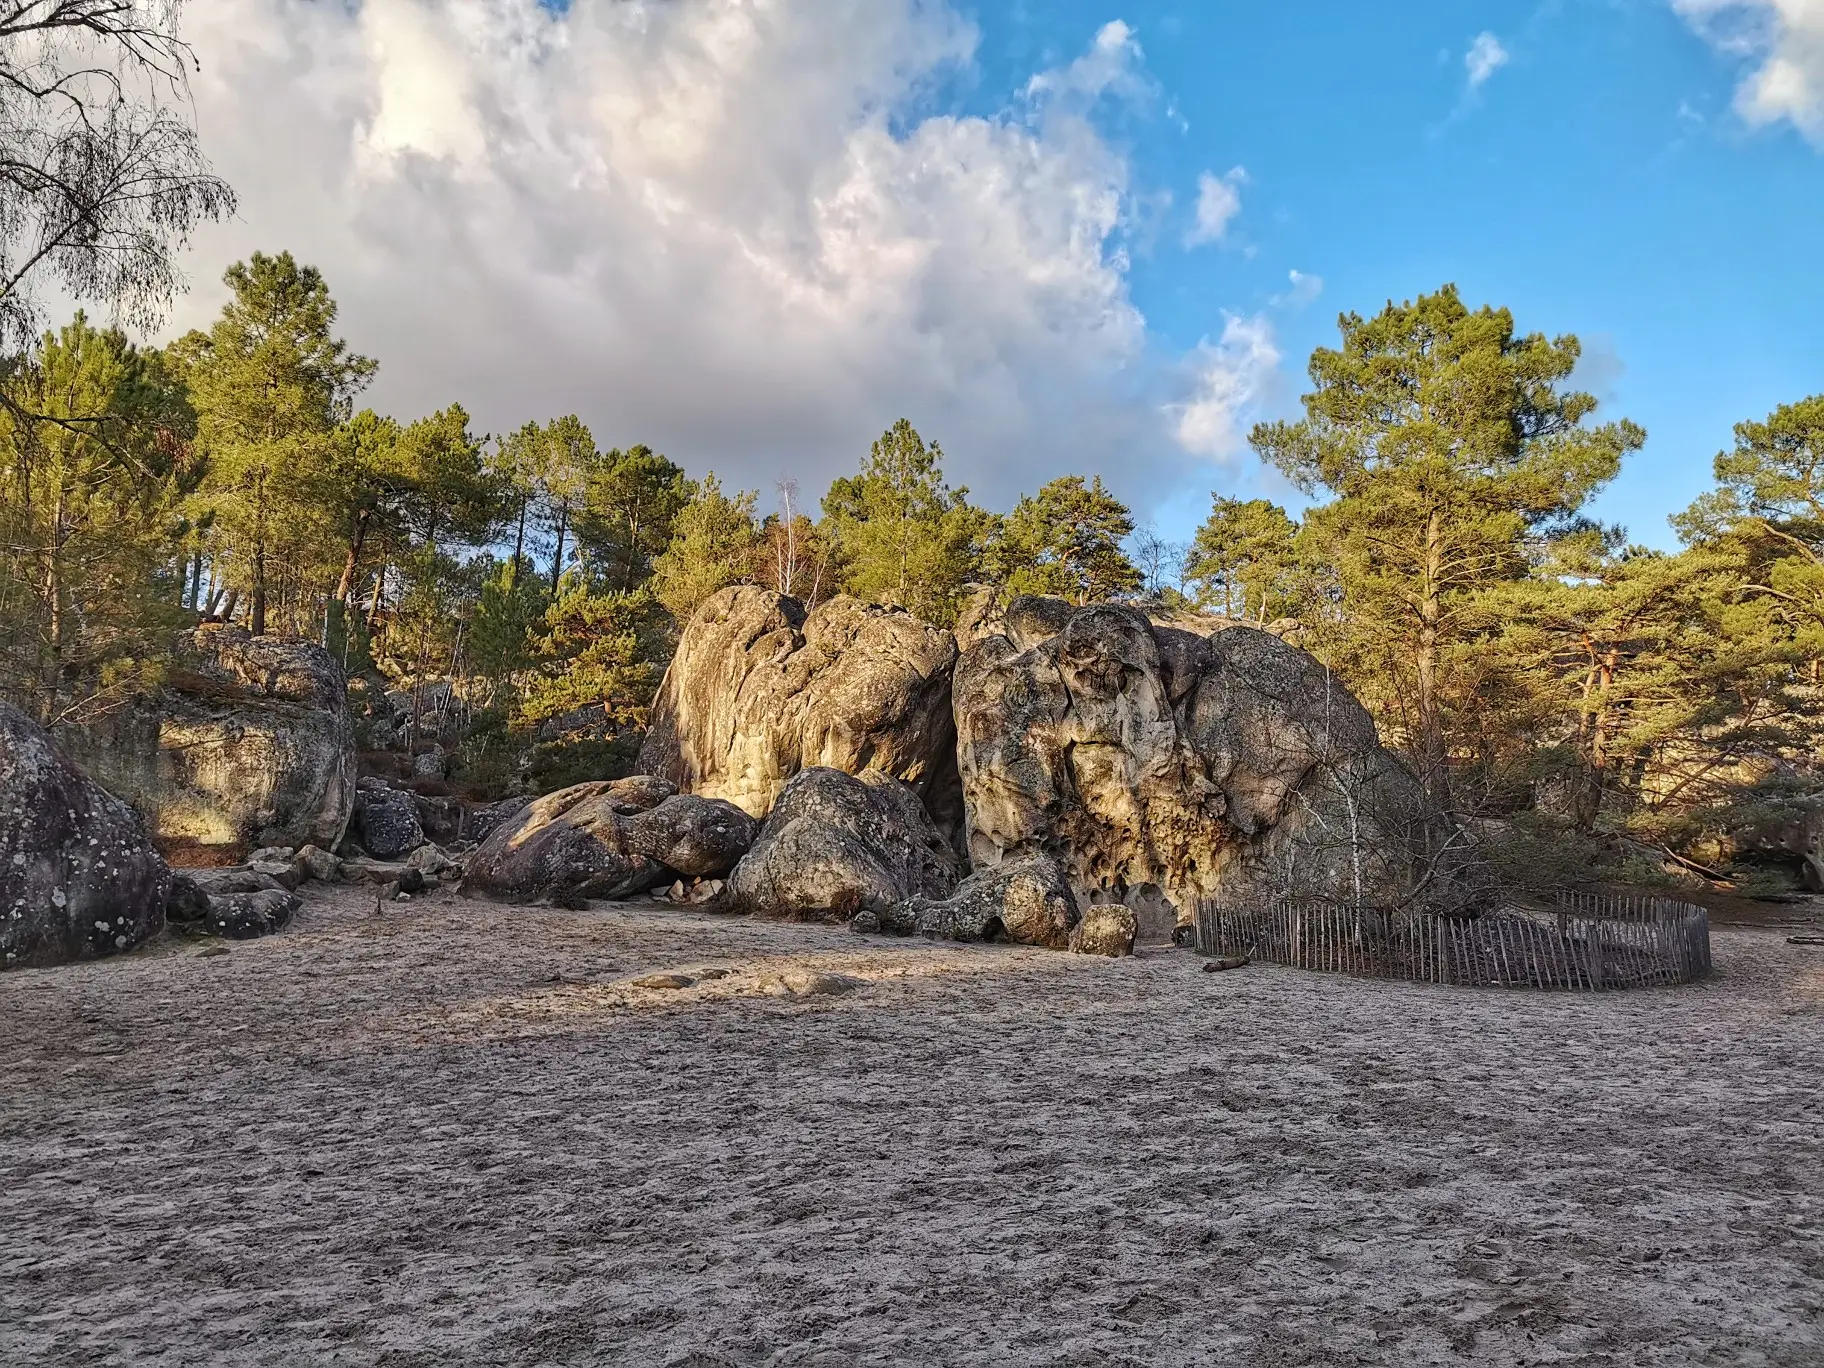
x=1588, y=943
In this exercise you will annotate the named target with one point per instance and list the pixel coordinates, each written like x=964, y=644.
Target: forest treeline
x=1533, y=664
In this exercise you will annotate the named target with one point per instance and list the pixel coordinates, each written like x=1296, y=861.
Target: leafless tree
x=101, y=177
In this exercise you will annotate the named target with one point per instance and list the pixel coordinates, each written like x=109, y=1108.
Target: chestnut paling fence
x=1586, y=943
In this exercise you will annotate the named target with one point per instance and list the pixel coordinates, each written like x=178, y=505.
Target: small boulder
x=319, y=864
x=410, y=879
x=482, y=822
x=1028, y=901
x=386, y=822
x=286, y=872
x=808, y=983
x=663, y=981
x=223, y=883
x=246, y=916
x=187, y=904
x=1106, y=929
x=837, y=844
x=606, y=840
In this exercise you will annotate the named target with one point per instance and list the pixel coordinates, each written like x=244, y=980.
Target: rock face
x=79, y=876
x=836, y=845
x=248, y=743
x=1154, y=763
x=760, y=689
x=607, y=840
x=1027, y=900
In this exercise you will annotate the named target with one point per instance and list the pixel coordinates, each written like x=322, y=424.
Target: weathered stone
x=606, y=840
x=383, y=872
x=287, y=873
x=248, y=735
x=1106, y=929
x=798, y=982
x=1027, y=900
x=319, y=864
x=245, y=916
x=663, y=981
x=429, y=764
x=760, y=689
x=386, y=822
x=483, y=822
x=441, y=818
x=836, y=844
x=431, y=861
x=186, y=904
x=220, y=883
x=1152, y=763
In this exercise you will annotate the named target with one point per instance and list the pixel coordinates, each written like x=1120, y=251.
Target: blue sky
x=752, y=233
x=1596, y=183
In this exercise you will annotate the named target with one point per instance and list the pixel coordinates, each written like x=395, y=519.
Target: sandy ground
x=450, y=1134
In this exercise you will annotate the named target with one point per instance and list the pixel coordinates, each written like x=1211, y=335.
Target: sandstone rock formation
x=837, y=844
x=607, y=840
x=1027, y=900
x=760, y=689
x=1106, y=929
x=247, y=744
x=1151, y=762
x=79, y=876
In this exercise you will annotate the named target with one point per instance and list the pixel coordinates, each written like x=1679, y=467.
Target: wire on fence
x=1590, y=942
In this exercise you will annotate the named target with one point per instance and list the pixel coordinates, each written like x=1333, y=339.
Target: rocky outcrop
x=1152, y=763
x=607, y=840
x=760, y=689
x=248, y=743
x=1027, y=900
x=79, y=876
x=836, y=845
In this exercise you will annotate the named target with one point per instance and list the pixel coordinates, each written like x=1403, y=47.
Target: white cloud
x=1784, y=39
x=1485, y=57
x=1232, y=377
x=725, y=228
x=1305, y=289
x=1218, y=202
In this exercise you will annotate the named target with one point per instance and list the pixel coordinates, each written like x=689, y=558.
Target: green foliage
x=270, y=384
x=90, y=485
x=1066, y=541
x=901, y=535
x=1244, y=561
x=601, y=649
x=1445, y=442
x=631, y=502
x=715, y=543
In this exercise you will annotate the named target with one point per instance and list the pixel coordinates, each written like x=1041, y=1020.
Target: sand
x=450, y=1133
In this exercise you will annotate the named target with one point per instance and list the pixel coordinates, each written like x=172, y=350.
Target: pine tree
x=1244, y=560
x=715, y=543
x=1445, y=441
x=1066, y=541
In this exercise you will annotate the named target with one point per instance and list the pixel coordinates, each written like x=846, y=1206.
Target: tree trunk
x=557, y=559
x=1431, y=613
x=519, y=543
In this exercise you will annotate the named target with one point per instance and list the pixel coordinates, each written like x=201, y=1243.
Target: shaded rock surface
x=248, y=742
x=1152, y=762
x=760, y=689
x=79, y=876
x=1027, y=900
x=1106, y=929
x=247, y=916
x=836, y=844
x=386, y=821
x=607, y=840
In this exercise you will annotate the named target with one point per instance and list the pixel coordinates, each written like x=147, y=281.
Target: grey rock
x=663, y=981
x=760, y=689
x=370, y=871
x=837, y=844
x=608, y=839
x=1106, y=929
x=807, y=983
x=186, y=904
x=220, y=883
x=429, y=764
x=246, y=916
x=1028, y=900
x=287, y=873
x=1153, y=763
x=440, y=818
x=319, y=864
x=481, y=823
x=386, y=822
x=247, y=740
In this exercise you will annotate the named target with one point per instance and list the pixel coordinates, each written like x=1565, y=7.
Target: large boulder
x=247, y=743
x=1154, y=763
x=607, y=840
x=79, y=875
x=836, y=845
x=760, y=689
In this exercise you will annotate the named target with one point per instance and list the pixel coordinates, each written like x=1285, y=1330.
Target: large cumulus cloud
x=743, y=231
